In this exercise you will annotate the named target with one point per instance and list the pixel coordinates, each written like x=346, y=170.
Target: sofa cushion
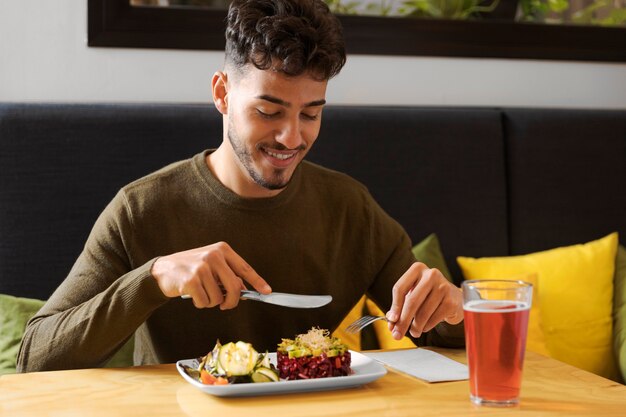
x=566, y=170
x=619, y=311
x=15, y=313
x=575, y=295
x=62, y=163
x=352, y=340
x=429, y=252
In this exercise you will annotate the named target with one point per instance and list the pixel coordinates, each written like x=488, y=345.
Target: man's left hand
x=422, y=298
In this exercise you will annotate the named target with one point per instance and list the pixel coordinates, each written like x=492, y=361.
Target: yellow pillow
x=383, y=335
x=353, y=341
x=574, y=296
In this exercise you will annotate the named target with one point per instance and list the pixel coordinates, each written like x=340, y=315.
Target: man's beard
x=276, y=180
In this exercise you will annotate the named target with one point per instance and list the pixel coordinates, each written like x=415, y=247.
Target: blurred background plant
x=443, y=9
x=587, y=12
x=447, y=9
x=208, y=4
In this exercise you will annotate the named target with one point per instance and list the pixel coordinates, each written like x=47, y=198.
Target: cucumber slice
x=264, y=375
x=270, y=373
x=237, y=358
x=259, y=377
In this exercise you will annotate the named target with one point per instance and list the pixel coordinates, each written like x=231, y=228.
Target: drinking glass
x=496, y=323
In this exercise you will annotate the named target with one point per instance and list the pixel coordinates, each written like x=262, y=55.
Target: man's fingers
x=413, y=303
x=213, y=290
x=399, y=293
x=230, y=286
x=211, y=275
x=435, y=319
x=198, y=295
x=425, y=314
x=242, y=269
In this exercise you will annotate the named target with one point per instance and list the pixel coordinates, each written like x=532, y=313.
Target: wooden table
x=550, y=388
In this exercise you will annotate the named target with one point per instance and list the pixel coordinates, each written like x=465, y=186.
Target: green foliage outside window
x=597, y=12
x=591, y=12
x=587, y=12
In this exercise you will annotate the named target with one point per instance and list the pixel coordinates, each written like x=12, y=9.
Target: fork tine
x=356, y=325
x=367, y=320
x=362, y=322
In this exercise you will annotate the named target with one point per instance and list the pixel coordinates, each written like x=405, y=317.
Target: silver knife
x=284, y=299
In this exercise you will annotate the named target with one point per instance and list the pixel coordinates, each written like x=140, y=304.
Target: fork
x=359, y=324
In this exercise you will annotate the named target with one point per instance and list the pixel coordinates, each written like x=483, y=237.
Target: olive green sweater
x=323, y=234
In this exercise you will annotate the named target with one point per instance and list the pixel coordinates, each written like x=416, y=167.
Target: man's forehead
x=280, y=88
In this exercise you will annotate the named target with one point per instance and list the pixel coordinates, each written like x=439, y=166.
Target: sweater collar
x=229, y=197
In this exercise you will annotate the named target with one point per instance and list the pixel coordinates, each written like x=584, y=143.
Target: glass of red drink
x=496, y=322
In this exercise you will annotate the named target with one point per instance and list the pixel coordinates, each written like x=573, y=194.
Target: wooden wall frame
x=114, y=23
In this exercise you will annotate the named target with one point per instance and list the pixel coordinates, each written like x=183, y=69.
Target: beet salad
x=314, y=354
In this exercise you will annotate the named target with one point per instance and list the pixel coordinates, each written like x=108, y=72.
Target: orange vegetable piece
x=207, y=378
x=221, y=381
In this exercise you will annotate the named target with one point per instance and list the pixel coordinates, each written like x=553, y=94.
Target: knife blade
x=285, y=299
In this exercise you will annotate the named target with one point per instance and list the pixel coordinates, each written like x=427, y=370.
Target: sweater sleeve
x=392, y=256
x=99, y=305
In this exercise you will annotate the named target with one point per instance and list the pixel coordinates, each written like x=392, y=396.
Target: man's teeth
x=279, y=155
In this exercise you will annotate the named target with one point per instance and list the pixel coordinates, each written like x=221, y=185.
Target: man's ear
x=219, y=88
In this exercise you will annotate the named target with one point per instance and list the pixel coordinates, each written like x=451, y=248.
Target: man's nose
x=289, y=135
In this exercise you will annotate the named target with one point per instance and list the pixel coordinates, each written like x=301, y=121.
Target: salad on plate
x=311, y=355
x=233, y=363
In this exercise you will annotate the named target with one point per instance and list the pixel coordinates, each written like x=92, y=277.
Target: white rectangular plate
x=364, y=370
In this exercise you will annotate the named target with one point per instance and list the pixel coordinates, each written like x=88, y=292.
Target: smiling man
x=250, y=213
x=271, y=121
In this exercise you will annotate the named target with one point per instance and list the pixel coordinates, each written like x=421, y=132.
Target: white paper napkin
x=423, y=364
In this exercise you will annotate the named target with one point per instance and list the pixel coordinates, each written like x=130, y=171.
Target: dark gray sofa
x=488, y=181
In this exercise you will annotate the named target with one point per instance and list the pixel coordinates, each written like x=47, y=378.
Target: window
x=119, y=24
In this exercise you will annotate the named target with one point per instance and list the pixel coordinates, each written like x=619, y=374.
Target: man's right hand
x=212, y=275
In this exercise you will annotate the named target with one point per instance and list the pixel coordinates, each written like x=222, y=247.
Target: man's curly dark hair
x=290, y=36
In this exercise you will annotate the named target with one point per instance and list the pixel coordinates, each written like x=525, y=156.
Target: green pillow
x=429, y=252
x=619, y=310
x=124, y=356
x=15, y=313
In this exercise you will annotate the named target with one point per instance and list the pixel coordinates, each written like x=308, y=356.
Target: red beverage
x=495, y=338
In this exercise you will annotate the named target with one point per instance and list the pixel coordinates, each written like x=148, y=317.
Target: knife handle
x=250, y=295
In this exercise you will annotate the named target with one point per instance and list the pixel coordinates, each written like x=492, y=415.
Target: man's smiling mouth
x=281, y=156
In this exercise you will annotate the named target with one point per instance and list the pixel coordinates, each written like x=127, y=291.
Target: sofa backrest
x=566, y=176
x=487, y=181
x=61, y=164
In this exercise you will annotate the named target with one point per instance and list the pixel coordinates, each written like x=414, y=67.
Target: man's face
x=272, y=122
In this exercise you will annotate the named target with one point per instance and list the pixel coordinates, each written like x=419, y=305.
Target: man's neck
x=228, y=170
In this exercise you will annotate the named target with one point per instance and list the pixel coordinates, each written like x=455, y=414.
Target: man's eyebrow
x=315, y=103
x=281, y=102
